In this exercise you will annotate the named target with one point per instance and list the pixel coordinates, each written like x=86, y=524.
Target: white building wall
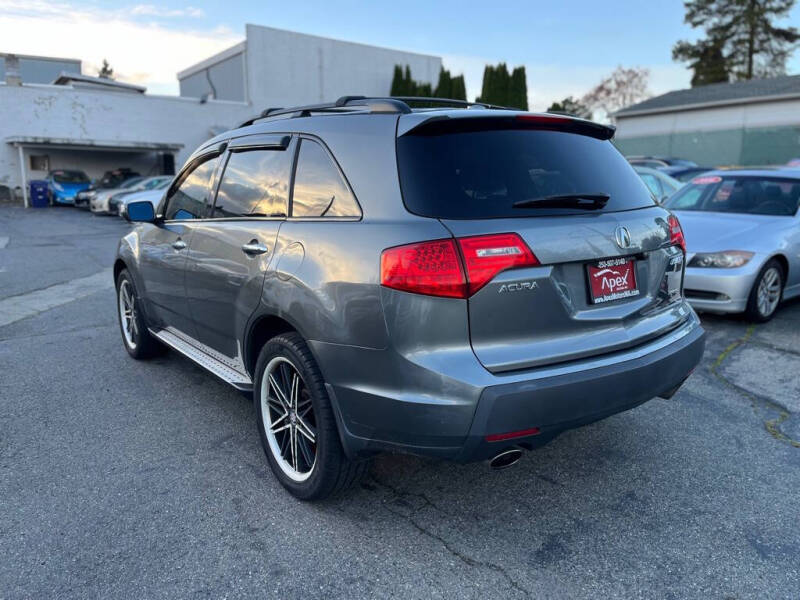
x=105, y=117
x=763, y=114
x=288, y=69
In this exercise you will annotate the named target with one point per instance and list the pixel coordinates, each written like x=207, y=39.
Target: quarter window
x=319, y=188
x=188, y=200
x=255, y=183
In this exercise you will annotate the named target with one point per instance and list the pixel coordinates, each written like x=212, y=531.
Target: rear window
x=748, y=195
x=481, y=174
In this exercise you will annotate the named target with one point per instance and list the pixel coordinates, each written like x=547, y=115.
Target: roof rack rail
x=376, y=104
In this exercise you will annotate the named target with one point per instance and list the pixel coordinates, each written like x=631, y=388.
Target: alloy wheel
x=288, y=418
x=769, y=292
x=127, y=313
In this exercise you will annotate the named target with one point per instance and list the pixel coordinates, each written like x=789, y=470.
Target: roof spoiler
x=437, y=124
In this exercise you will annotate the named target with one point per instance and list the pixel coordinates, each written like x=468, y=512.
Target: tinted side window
x=255, y=183
x=188, y=200
x=319, y=188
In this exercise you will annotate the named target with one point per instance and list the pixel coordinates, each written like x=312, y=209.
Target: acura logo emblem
x=623, y=237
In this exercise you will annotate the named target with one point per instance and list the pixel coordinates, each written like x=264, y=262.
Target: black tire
x=754, y=312
x=142, y=344
x=332, y=471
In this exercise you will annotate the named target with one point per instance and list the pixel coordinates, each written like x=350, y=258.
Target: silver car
x=462, y=283
x=742, y=233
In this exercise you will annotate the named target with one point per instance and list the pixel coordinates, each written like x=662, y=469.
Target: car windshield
x=739, y=194
x=132, y=182
x=514, y=173
x=155, y=183
x=70, y=177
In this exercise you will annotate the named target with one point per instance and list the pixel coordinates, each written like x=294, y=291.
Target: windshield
x=739, y=194
x=70, y=177
x=132, y=182
x=483, y=174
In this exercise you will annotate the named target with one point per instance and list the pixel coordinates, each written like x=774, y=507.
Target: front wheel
x=766, y=293
x=296, y=422
x=135, y=336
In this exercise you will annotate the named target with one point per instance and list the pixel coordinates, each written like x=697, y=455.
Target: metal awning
x=84, y=144
x=20, y=142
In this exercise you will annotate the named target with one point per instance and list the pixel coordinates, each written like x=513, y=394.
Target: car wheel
x=135, y=336
x=297, y=424
x=766, y=293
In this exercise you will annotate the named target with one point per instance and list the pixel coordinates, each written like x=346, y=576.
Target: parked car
x=99, y=203
x=684, y=174
x=462, y=284
x=110, y=180
x=660, y=184
x=743, y=236
x=64, y=184
x=158, y=182
x=656, y=162
x=154, y=196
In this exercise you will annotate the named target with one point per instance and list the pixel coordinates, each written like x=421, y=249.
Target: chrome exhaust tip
x=505, y=459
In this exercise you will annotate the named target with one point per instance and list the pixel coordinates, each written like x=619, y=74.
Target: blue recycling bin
x=38, y=193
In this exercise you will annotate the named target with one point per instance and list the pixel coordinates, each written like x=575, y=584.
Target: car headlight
x=728, y=259
x=58, y=186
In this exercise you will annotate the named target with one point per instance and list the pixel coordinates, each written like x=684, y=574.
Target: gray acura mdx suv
x=460, y=283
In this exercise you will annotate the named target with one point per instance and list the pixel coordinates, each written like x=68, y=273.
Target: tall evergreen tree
x=518, y=92
x=397, y=82
x=750, y=42
x=444, y=88
x=458, y=89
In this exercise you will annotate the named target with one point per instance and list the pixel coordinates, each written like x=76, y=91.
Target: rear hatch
x=592, y=263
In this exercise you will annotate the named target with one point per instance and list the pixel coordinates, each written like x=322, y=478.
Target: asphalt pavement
x=126, y=479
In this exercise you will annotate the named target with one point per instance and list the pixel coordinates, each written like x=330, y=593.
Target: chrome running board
x=228, y=374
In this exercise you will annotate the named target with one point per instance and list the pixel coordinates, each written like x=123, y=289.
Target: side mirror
x=141, y=212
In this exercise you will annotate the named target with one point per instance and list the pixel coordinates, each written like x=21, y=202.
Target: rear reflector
x=435, y=268
x=676, y=233
x=499, y=437
x=487, y=255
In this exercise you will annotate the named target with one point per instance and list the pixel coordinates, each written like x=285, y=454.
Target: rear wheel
x=135, y=336
x=766, y=293
x=296, y=422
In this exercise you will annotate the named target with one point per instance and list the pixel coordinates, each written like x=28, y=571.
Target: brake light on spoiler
x=453, y=267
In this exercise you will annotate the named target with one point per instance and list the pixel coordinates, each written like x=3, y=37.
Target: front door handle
x=254, y=247
x=179, y=244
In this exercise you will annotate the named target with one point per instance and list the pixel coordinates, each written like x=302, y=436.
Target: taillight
x=435, y=268
x=432, y=268
x=676, y=233
x=487, y=255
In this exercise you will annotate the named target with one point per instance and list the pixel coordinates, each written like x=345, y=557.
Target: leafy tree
x=106, y=72
x=741, y=35
x=571, y=106
x=625, y=86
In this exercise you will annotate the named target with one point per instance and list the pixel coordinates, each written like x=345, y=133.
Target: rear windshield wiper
x=586, y=201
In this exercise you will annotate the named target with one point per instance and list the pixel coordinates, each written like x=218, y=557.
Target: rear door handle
x=253, y=248
x=179, y=244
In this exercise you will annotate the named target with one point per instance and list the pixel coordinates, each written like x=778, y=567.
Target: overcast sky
x=566, y=46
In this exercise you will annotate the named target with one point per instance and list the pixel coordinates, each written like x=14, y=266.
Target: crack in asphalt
x=466, y=559
x=771, y=425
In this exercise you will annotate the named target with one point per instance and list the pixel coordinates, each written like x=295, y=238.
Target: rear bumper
x=563, y=402
x=454, y=424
